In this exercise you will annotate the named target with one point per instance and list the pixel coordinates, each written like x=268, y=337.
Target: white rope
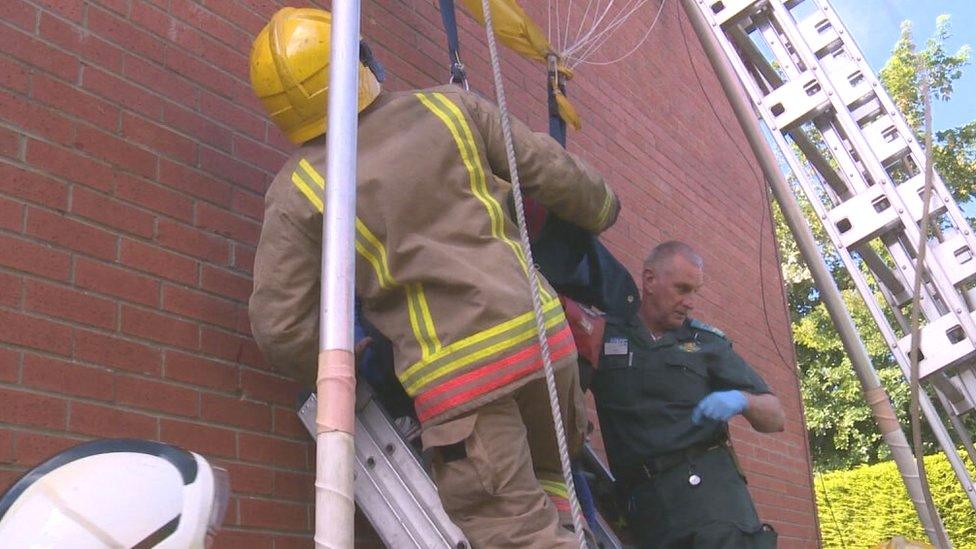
x=533, y=276
x=647, y=34
x=597, y=41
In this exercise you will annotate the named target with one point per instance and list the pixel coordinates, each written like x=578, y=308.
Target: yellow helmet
x=290, y=71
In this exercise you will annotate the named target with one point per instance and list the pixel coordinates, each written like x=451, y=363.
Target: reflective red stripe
x=562, y=345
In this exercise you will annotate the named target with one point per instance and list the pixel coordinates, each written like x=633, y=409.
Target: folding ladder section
x=392, y=487
x=861, y=169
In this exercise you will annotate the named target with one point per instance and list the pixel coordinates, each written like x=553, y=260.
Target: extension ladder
x=861, y=168
x=394, y=491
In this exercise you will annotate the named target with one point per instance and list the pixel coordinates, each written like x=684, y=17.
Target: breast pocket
x=616, y=381
x=687, y=378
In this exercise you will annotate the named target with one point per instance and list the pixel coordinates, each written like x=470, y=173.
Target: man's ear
x=647, y=277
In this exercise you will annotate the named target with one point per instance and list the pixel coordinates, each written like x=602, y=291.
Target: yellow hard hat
x=290, y=71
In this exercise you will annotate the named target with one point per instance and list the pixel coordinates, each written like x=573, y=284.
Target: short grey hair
x=663, y=252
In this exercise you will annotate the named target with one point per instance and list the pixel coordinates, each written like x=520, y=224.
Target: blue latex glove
x=720, y=406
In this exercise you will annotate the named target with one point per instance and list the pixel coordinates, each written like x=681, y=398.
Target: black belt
x=651, y=467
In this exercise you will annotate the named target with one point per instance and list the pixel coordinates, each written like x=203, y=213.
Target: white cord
x=582, y=59
x=533, y=277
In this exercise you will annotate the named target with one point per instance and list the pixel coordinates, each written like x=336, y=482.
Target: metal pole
x=881, y=407
x=335, y=418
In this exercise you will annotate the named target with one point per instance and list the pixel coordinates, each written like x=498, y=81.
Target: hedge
x=868, y=505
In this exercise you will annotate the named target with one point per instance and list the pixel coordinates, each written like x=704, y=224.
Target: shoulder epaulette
x=699, y=325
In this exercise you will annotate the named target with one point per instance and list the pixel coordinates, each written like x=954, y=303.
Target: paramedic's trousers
x=668, y=511
x=497, y=468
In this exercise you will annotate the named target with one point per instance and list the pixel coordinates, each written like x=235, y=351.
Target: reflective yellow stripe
x=453, y=118
x=607, y=207
x=555, y=488
x=373, y=251
x=413, y=379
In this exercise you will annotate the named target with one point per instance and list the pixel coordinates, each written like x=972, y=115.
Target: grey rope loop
x=533, y=277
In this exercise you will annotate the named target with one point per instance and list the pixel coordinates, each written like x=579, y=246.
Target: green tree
x=841, y=428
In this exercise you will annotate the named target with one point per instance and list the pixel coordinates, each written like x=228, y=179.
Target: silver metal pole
x=334, y=495
x=881, y=407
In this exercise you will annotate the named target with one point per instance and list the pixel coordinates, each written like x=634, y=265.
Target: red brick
x=33, y=52
x=9, y=143
x=231, y=169
x=71, y=234
x=111, y=212
x=227, y=224
x=11, y=215
x=33, y=187
x=161, y=328
x=115, y=151
x=151, y=135
x=233, y=347
x=120, y=31
x=194, y=183
x=193, y=123
x=19, y=13
x=200, y=306
x=155, y=19
x=72, y=100
x=244, y=258
x=269, y=387
x=191, y=241
x=9, y=365
x=31, y=449
x=365, y=538
x=248, y=204
x=157, y=395
x=154, y=197
x=13, y=75
x=111, y=421
x=9, y=476
x=33, y=119
x=161, y=81
x=69, y=9
x=69, y=378
x=24, y=408
x=115, y=352
x=248, y=479
x=34, y=258
x=252, y=22
x=237, y=539
x=228, y=113
x=199, y=371
x=216, y=26
x=267, y=158
x=197, y=437
x=122, y=92
x=195, y=69
x=276, y=451
x=226, y=283
x=158, y=262
x=7, y=447
x=294, y=486
x=278, y=515
x=69, y=304
x=116, y=281
x=69, y=165
x=38, y=333
x=236, y=411
x=286, y=423
x=80, y=42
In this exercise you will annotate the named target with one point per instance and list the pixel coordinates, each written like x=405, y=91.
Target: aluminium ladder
x=862, y=170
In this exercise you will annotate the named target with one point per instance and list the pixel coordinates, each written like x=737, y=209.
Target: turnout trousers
x=670, y=511
x=497, y=468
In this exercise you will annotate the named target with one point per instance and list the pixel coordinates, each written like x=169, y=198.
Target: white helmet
x=116, y=493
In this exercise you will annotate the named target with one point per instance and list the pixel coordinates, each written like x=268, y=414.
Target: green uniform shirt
x=646, y=389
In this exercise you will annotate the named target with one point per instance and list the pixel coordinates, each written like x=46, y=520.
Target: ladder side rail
x=852, y=129
x=955, y=213
x=934, y=420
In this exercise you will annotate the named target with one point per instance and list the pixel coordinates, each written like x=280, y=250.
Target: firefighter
x=439, y=271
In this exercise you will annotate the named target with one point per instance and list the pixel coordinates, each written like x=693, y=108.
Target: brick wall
x=133, y=160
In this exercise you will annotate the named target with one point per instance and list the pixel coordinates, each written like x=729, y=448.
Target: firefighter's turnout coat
x=440, y=270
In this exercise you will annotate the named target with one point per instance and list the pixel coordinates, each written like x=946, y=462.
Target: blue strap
x=557, y=126
x=458, y=76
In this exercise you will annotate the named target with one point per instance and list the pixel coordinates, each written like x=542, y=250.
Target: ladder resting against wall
x=862, y=170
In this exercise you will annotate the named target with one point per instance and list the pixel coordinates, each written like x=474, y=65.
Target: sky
x=875, y=26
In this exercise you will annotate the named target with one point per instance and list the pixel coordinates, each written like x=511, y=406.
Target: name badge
x=615, y=346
